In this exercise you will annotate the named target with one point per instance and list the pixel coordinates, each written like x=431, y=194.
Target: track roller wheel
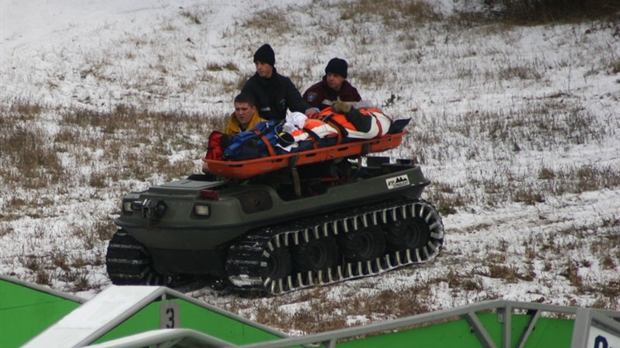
x=279, y=264
x=419, y=232
x=362, y=245
x=408, y=234
x=317, y=254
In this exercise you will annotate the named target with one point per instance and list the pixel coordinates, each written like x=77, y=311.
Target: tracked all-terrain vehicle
x=278, y=224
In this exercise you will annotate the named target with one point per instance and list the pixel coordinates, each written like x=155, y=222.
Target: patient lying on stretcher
x=337, y=124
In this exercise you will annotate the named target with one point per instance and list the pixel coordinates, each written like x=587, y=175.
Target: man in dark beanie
x=265, y=54
x=273, y=92
x=333, y=87
x=337, y=66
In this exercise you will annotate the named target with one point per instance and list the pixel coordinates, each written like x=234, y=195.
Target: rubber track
x=128, y=263
x=126, y=260
x=248, y=257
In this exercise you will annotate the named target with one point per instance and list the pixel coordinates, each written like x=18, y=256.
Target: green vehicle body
x=187, y=227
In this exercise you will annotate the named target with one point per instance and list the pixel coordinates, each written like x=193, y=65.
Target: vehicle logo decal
x=398, y=181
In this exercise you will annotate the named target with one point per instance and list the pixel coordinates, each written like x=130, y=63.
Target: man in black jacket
x=273, y=92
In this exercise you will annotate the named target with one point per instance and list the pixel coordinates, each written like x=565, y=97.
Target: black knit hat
x=337, y=66
x=265, y=54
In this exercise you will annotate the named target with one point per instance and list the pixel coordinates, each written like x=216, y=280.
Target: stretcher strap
x=337, y=126
x=266, y=142
x=313, y=137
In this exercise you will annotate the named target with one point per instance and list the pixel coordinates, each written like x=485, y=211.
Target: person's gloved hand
x=341, y=107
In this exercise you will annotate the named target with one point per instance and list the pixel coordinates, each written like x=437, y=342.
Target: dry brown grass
x=393, y=14
x=318, y=311
x=552, y=11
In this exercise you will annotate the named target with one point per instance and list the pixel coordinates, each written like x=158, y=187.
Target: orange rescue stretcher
x=248, y=168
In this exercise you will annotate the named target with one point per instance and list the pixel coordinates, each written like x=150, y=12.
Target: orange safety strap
x=337, y=126
x=266, y=142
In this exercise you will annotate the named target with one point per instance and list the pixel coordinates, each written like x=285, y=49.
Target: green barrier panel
x=25, y=312
x=450, y=334
x=549, y=332
x=187, y=315
x=125, y=311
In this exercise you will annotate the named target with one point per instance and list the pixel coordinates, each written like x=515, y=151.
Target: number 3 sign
x=169, y=315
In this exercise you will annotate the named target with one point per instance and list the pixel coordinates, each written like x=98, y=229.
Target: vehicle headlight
x=202, y=210
x=127, y=206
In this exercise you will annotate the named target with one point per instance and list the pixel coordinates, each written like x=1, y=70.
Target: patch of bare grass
x=89, y=149
x=269, y=21
x=571, y=273
x=192, y=16
x=77, y=278
x=520, y=72
x=447, y=198
x=394, y=14
x=29, y=156
x=20, y=109
x=318, y=311
x=615, y=66
x=577, y=179
x=230, y=66
x=528, y=197
x=42, y=277
x=535, y=12
x=5, y=229
x=140, y=140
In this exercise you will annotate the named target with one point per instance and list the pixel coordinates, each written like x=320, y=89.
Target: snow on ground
x=492, y=109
